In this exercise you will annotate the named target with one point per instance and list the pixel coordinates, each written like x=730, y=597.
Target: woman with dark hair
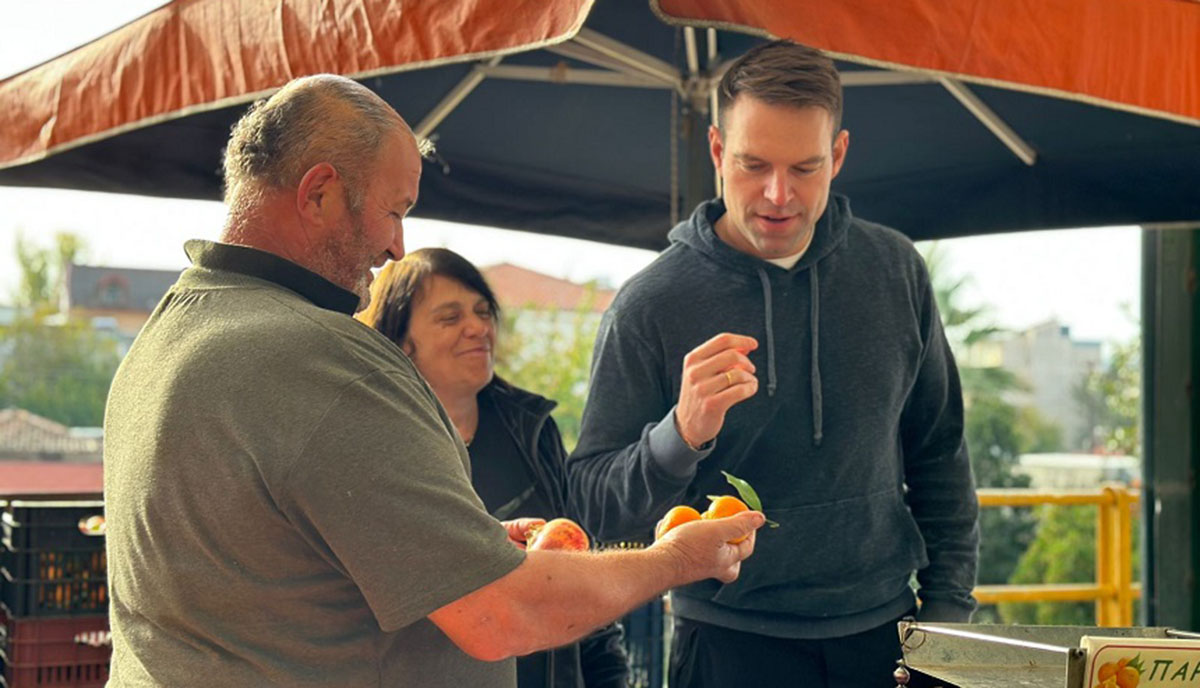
x=437, y=306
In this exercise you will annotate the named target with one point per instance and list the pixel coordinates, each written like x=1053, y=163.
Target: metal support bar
x=586, y=55
x=689, y=48
x=991, y=120
x=913, y=628
x=647, y=64
x=567, y=75
x=451, y=100
x=712, y=47
x=1107, y=612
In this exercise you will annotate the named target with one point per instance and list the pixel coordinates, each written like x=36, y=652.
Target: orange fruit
x=1127, y=677
x=1107, y=670
x=724, y=506
x=677, y=515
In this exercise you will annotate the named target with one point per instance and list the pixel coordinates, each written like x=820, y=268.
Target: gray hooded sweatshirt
x=854, y=440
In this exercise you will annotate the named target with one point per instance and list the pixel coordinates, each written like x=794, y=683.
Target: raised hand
x=716, y=375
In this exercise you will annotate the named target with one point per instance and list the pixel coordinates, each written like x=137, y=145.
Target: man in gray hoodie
x=785, y=341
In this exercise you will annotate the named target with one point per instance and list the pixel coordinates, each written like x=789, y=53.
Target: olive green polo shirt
x=286, y=499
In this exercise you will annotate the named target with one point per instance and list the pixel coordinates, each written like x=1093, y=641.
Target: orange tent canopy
x=1139, y=55
x=193, y=55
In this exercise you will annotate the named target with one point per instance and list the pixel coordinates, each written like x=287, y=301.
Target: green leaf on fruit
x=748, y=495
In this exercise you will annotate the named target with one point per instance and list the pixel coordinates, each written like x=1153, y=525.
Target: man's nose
x=779, y=190
x=397, y=248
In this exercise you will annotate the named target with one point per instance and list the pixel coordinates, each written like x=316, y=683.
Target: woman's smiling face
x=452, y=337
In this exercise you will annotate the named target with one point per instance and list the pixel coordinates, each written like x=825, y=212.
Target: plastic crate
x=52, y=565
x=56, y=641
x=61, y=597
x=31, y=525
x=94, y=675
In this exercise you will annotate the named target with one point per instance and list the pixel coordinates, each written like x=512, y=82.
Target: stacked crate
x=53, y=587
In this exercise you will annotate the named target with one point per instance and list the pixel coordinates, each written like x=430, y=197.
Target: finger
x=746, y=547
x=721, y=342
x=729, y=396
x=731, y=574
x=518, y=529
x=727, y=379
x=739, y=525
x=719, y=363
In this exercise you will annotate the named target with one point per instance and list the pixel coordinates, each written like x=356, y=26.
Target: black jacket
x=599, y=660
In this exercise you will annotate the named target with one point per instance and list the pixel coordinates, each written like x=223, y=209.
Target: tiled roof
x=25, y=433
x=517, y=287
x=50, y=477
x=134, y=289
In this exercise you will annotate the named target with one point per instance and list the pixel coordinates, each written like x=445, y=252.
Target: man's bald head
x=315, y=119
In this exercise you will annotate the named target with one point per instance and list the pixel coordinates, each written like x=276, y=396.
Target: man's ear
x=716, y=147
x=320, y=197
x=841, y=143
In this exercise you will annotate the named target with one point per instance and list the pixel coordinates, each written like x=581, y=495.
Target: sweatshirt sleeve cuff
x=671, y=453
x=943, y=611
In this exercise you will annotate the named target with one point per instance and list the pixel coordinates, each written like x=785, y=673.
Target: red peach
x=559, y=533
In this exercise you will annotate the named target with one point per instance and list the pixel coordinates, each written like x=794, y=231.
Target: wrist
x=691, y=444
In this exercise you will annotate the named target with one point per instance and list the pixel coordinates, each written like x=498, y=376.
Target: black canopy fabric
x=604, y=162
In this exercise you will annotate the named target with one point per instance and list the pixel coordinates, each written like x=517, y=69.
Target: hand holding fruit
x=716, y=375
x=720, y=506
x=705, y=547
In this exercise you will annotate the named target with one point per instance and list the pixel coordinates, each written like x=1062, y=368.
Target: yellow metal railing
x=1114, y=589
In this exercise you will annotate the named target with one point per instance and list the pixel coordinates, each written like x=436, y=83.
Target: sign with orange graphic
x=1141, y=662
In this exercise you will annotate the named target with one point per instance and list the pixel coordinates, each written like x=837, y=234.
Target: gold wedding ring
x=729, y=377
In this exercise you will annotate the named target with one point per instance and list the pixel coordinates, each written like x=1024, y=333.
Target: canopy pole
x=991, y=120
x=451, y=100
x=646, y=63
x=1171, y=422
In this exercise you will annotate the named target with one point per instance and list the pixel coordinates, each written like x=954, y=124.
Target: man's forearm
x=577, y=593
x=554, y=597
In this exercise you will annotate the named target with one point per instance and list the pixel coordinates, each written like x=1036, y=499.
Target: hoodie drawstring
x=766, y=286
x=814, y=325
x=815, y=363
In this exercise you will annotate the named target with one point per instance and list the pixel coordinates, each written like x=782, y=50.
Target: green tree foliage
x=49, y=365
x=60, y=370
x=43, y=270
x=550, y=352
x=1064, y=551
x=1112, y=397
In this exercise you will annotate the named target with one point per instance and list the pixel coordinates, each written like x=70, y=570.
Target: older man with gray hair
x=263, y=529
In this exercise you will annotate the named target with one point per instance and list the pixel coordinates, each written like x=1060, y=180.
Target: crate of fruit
x=30, y=525
x=53, y=565
x=53, y=597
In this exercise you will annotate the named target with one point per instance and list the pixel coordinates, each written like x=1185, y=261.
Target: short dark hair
x=395, y=291
x=783, y=73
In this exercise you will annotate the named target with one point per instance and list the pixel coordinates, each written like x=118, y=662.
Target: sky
x=1089, y=279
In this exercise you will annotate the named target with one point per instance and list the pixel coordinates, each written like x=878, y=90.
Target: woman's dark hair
x=395, y=290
